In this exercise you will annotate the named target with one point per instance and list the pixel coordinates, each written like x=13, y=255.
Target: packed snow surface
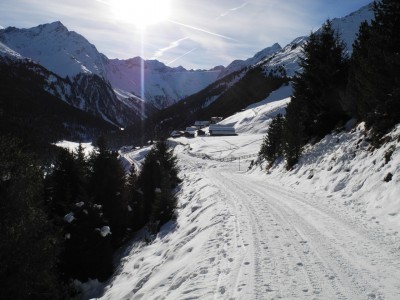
x=328, y=229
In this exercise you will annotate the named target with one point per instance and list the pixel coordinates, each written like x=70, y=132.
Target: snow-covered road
x=297, y=249
x=241, y=236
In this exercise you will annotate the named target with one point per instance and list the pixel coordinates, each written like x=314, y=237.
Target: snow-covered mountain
x=87, y=92
x=6, y=52
x=347, y=28
x=112, y=88
x=238, y=65
x=63, y=52
x=237, y=81
x=71, y=68
x=68, y=54
x=163, y=85
x=287, y=57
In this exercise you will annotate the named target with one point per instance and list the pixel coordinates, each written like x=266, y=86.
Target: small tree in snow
x=272, y=146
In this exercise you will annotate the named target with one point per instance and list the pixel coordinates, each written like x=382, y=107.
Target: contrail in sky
x=174, y=60
x=231, y=10
x=202, y=30
x=172, y=45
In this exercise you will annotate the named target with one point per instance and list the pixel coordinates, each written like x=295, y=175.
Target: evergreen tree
x=374, y=79
x=272, y=147
x=107, y=187
x=293, y=133
x=135, y=201
x=148, y=181
x=86, y=253
x=132, y=178
x=82, y=163
x=359, y=81
x=164, y=203
x=318, y=87
x=29, y=243
x=66, y=184
x=157, y=180
x=316, y=107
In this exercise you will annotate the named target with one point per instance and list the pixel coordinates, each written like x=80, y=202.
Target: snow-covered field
x=326, y=230
x=73, y=146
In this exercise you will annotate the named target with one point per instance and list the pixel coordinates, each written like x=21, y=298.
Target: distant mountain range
x=69, y=56
x=245, y=82
x=72, y=70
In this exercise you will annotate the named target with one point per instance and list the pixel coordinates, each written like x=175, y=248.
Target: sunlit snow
x=327, y=229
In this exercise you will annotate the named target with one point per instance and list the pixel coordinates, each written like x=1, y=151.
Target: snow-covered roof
x=190, y=129
x=201, y=123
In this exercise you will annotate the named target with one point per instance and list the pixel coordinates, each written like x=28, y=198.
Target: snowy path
x=299, y=250
x=242, y=237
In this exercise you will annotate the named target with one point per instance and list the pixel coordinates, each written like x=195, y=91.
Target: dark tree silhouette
x=374, y=81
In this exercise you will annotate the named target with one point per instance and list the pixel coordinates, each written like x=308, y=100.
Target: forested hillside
x=332, y=88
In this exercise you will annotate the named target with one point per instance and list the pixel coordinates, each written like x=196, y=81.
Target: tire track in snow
x=240, y=237
x=271, y=257
x=337, y=252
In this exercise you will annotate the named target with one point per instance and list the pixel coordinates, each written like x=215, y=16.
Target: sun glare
x=141, y=12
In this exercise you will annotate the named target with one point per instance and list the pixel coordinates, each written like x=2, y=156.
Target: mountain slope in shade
x=31, y=111
x=87, y=92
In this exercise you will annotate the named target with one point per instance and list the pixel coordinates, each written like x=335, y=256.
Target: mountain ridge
x=67, y=54
x=111, y=88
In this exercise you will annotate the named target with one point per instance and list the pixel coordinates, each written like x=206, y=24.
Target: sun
x=141, y=12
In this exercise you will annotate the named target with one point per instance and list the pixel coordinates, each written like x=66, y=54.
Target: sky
x=195, y=34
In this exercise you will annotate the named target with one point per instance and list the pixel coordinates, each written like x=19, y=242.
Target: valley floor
x=242, y=235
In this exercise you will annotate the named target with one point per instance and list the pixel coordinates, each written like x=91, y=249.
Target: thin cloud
x=172, y=45
x=224, y=14
x=219, y=31
x=104, y=2
x=202, y=30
